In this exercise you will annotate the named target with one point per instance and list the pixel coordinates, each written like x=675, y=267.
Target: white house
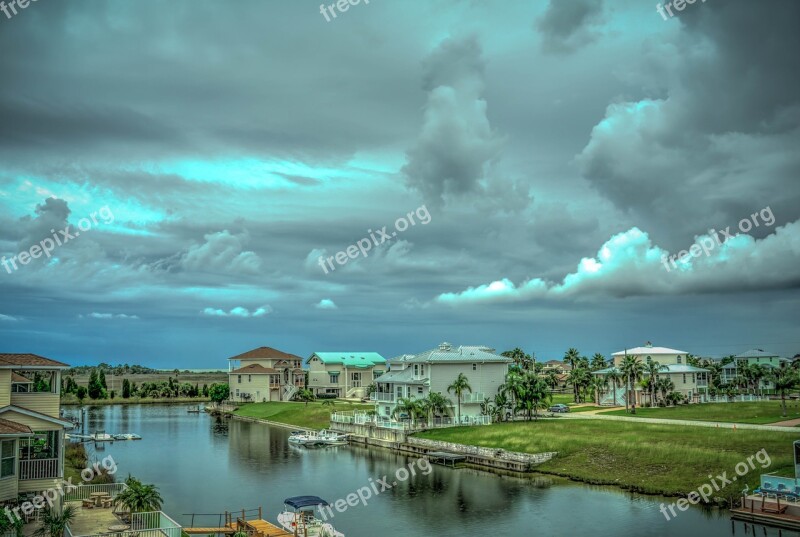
x=688, y=380
x=414, y=376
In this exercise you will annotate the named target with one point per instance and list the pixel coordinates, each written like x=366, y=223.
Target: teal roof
x=350, y=359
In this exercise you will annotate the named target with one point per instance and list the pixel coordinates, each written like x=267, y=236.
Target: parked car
x=559, y=408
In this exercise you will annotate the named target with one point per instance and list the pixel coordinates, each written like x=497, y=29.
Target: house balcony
x=382, y=397
x=39, y=469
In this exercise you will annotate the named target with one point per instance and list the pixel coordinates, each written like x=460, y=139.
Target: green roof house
x=344, y=374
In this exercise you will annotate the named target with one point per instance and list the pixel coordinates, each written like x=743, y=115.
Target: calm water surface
x=203, y=464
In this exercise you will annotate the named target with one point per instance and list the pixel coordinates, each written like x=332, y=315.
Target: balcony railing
x=39, y=469
x=84, y=492
x=382, y=397
x=153, y=524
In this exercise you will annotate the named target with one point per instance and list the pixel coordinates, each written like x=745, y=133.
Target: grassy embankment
x=648, y=458
x=569, y=400
x=312, y=416
x=760, y=412
x=76, y=460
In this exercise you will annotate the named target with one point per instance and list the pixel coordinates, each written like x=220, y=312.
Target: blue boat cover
x=298, y=502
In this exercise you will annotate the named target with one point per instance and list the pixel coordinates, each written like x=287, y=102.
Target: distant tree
x=785, y=379
x=95, y=388
x=205, y=390
x=112, y=394
x=81, y=393
x=102, y=378
x=126, y=389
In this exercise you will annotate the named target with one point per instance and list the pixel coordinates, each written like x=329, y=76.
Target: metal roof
x=350, y=359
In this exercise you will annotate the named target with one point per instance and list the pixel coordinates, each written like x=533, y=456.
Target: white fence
x=152, y=524
x=733, y=399
x=362, y=418
x=84, y=492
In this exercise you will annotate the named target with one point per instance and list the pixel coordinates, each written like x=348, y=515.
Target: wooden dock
x=250, y=522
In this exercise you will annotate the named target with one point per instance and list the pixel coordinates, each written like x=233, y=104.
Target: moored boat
x=299, y=517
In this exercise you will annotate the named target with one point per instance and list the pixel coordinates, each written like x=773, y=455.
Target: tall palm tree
x=435, y=404
x=411, y=407
x=632, y=371
x=537, y=395
x=500, y=404
x=54, y=524
x=652, y=369
x=665, y=386
x=458, y=387
x=518, y=356
x=614, y=376
x=571, y=358
x=551, y=378
x=785, y=379
x=599, y=385
x=580, y=379
x=138, y=497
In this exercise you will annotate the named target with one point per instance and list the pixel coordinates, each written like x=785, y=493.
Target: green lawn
x=563, y=398
x=659, y=459
x=312, y=416
x=755, y=412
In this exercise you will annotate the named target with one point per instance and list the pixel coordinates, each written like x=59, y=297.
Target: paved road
x=714, y=424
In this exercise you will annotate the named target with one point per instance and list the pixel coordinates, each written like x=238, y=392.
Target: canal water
x=207, y=465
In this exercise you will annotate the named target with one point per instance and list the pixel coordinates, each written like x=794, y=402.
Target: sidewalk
x=714, y=424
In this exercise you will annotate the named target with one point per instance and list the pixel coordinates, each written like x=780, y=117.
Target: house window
x=474, y=367
x=684, y=378
x=377, y=373
x=416, y=370
x=692, y=378
x=239, y=380
x=249, y=378
x=422, y=370
x=23, y=381
x=335, y=379
x=679, y=358
x=8, y=462
x=419, y=390
x=649, y=359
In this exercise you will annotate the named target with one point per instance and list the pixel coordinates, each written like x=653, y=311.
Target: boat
x=306, y=439
x=299, y=517
x=127, y=436
x=332, y=438
x=102, y=436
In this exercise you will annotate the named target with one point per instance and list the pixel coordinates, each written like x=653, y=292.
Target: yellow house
x=344, y=374
x=265, y=374
x=31, y=431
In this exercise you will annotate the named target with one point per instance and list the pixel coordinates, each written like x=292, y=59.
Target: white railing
x=152, y=524
x=383, y=397
x=39, y=469
x=468, y=398
x=733, y=399
x=362, y=418
x=84, y=492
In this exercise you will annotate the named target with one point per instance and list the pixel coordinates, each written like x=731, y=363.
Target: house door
x=355, y=379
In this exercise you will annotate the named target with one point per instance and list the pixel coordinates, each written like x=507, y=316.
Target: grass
x=647, y=458
x=759, y=412
x=312, y=416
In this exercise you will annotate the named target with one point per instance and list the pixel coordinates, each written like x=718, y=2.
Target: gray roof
x=403, y=375
x=755, y=353
x=667, y=368
x=447, y=353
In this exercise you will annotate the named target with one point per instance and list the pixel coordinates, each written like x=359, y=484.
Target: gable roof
x=8, y=427
x=756, y=353
x=264, y=353
x=10, y=360
x=350, y=359
x=34, y=414
x=254, y=369
x=649, y=350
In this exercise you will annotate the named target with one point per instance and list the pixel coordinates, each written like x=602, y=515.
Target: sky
x=183, y=181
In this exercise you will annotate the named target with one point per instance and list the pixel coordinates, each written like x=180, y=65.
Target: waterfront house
x=690, y=381
x=31, y=428
x=344, y=374
x=414, y=376
x=768, y=361
x=264, y=374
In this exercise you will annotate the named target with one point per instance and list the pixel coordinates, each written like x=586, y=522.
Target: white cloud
x=108, y=316
x=7, y=318
x=238, y=311
x=629, y=264
x=326, y=304
x=222, y=251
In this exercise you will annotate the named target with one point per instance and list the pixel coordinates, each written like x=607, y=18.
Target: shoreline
x=140, y=401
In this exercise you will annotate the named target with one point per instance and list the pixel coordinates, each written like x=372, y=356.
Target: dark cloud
x=566, y=26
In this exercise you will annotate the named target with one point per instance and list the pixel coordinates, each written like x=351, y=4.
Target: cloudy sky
x=212, y=158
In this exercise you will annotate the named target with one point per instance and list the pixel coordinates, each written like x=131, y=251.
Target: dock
x=768, y=511
x=250, y=522
x=446, y=459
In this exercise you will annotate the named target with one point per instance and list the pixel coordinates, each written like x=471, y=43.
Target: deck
x=250, y=522
x=770, y=512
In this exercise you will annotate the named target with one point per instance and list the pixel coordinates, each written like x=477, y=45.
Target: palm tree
x=434, y=404
x=785, y=379
x=665, y=386
x=652, y=369
x=632, y=371
x=458, y=387
x=536, y=395
x=551, y=378
x=599, y=385
x=411, y=407
x=571, y=358
x=306, y=395
x=500, y=405
x=580, y=379
x=598, y=362
x=518, y=355
x=614, y=376
x=55, y=524
x=329, y=402
x=138, y=497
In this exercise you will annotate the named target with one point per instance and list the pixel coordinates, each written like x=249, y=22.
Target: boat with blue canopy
x=300, y=517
